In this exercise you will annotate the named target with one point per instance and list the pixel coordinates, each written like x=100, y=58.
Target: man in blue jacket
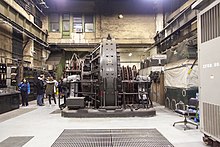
x=24, y=87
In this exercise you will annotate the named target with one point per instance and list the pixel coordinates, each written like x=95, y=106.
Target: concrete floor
x=46, y=127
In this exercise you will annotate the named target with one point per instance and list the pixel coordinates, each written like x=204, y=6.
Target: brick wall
x=136, y=28
x=130, y=29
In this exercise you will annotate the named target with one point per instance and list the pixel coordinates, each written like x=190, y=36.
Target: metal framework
x=181, y=21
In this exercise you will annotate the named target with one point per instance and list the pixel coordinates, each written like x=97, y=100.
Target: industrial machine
x=108, y=73
x=3, y=72
x=106, y=89
x=209, y=69
x=9, y=97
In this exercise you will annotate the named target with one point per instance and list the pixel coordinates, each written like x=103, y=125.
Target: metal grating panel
x=211, y=119
x=16, y=141
x=112, y=138
x=210, y=24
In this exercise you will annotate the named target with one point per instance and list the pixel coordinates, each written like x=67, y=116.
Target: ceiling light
x=130, y=54
x=120, y=16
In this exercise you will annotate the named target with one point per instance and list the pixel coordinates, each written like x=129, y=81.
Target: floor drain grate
x=112, y=138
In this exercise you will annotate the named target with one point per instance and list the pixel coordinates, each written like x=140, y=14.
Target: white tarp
x=177, y=74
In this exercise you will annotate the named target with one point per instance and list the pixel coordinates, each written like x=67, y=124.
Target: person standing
x=50, y=89
x=44, y=87
x=59, y=87
x=40, y=91
x=24, y=87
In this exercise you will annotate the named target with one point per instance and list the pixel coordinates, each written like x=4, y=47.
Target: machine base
x=91, y=113
x=210, y=141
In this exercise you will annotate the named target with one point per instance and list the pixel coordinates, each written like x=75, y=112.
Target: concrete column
x=159, y=16
x=153, y=51
x=20, y=72
x=45, y=56
x=29, y=52
x=159, y=22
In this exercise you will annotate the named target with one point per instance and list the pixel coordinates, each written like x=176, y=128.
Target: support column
x=159, y=16
x=45, y=56
x=28, y=53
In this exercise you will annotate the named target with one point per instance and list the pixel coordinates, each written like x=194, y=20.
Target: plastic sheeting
x=184, y=50
x=177, y=75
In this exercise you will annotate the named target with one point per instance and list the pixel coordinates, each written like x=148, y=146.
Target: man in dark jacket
x=40, y=91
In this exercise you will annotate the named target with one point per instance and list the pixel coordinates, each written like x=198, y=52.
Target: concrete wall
x=14, y=5
x=5, y=43
x=35, y=54
x=32, y=53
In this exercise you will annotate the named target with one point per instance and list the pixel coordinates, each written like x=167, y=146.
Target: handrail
x=94, y=58
x=95, y=50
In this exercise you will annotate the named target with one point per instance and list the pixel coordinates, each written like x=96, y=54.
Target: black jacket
x=40, y=87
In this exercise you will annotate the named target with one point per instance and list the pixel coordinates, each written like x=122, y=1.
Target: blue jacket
x=24, y=87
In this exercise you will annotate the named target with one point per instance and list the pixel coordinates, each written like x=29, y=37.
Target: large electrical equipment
x=108, y=73
x=104, y=70
x=209, y=69
x=106, y=87
x=9, y=98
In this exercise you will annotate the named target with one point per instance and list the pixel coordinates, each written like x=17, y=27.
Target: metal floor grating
x=15, y=141
x=112, y=138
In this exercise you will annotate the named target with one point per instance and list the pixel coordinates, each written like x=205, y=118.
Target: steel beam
x=201, y=3
x=182, y=20
x=82, y=46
